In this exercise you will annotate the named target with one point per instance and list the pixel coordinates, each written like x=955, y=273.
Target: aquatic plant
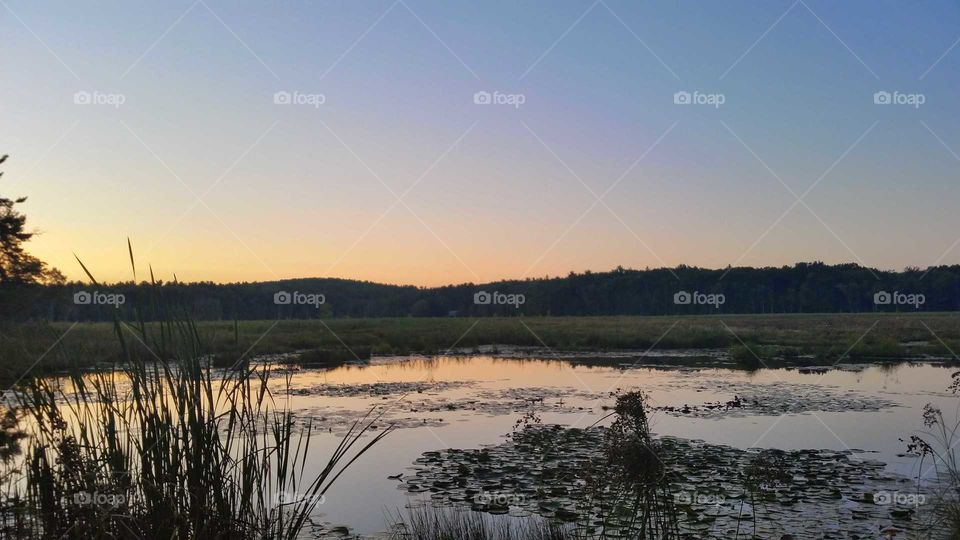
x=634, y=474
x=166, y=448
x=938, y=442
x=761, y=476
x=593, y=483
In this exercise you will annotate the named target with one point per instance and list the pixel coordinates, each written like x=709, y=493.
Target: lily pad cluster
x=391, y=389
x=497, y=402
x=338, y=420
x=543, y=469
x=773, y=399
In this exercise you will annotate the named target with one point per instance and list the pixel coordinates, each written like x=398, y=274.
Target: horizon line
x=547, y=277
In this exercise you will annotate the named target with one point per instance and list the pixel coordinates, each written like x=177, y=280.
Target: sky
x=433, y=142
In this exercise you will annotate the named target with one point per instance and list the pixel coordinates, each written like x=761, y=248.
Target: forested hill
x=802, y=288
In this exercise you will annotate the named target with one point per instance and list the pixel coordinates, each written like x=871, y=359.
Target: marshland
x=832, y=426
x=796, y=339
x=426, y=270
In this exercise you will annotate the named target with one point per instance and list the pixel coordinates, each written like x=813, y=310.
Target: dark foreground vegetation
x=163, y=449
x=802, y=288
x=750, y=339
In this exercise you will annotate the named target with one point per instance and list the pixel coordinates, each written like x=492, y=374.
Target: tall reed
x=938, y=442
x=166, y=446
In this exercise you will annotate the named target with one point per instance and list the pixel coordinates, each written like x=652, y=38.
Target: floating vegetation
x=615, y=489
x=422, y=403
x=417, y=404
x=395, y=389
x=339, y=421
x=413, y=411
x=773, y=399
x=821, y=493
x=508, y=401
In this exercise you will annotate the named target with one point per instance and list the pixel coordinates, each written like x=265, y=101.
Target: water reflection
x=471, y=401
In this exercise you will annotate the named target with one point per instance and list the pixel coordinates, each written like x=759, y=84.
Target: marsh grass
x=820, y=338
x=165, y=447
x=937, y=446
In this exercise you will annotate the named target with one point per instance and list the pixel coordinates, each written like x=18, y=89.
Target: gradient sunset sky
x=400, y=177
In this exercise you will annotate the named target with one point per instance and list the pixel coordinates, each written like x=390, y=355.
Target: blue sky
x=213, y=180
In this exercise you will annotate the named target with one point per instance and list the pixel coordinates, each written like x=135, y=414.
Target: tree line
x=802, y=288
x=31, y=290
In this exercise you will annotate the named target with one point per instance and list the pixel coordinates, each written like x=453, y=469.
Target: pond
x=443, y=405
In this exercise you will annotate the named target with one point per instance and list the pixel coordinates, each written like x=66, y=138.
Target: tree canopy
x=17, y=267
x=801, y=288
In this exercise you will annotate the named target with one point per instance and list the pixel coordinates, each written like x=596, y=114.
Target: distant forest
x=802, y=288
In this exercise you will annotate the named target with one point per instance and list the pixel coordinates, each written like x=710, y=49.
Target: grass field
x=827, y=337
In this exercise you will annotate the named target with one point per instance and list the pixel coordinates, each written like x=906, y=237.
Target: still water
x=474, y=401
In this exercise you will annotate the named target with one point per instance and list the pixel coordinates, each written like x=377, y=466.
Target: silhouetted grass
x=937, y=444
x=163, y=446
